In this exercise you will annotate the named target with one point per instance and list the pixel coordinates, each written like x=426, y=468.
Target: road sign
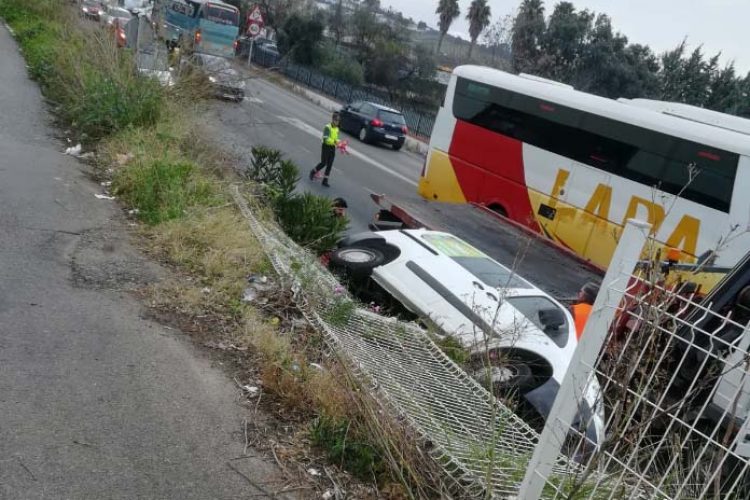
x=254, y=21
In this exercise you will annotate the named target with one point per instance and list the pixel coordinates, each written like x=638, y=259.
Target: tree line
x=581, y=48
x=370, y=45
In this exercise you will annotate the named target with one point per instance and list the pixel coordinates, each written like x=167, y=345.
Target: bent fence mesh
x=420, y=122
x=479, y=442
x=674, y=375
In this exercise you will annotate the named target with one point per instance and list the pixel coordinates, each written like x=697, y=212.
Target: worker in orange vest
x=582, y=308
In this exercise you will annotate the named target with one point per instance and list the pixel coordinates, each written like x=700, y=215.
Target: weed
x=452, y=348
x=162, y=190
x=340, y=312
x=96, y=85
x=340, y=439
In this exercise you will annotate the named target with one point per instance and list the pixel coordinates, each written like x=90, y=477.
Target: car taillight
x=234, y=45
x=198, y=37
x=376, y=123
x=405, y=129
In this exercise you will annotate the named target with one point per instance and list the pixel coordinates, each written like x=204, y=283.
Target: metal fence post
x=419, y=123
x=336, y=89
x=351, y=92
x=580, y=369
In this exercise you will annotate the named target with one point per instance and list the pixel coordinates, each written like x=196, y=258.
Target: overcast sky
x=720, y=25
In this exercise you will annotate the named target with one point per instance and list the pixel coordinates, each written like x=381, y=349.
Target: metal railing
x=420, y=123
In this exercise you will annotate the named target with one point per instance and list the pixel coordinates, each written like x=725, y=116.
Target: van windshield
x=477, y=263
x=491, y=273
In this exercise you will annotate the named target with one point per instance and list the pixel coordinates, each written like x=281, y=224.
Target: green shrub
x=268, y=168
x=345, y=69
x=309, y=220
x=344, y=446
x=161, y=190
x=306, y=218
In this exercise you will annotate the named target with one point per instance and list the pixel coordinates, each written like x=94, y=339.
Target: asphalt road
x=277, y=118
x=95, y=401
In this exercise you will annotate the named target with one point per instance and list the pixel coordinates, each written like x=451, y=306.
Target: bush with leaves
x=344, y=68
x=307, y=218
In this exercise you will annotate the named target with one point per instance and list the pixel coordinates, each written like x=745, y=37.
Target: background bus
x=198, y=25
x=574, y=166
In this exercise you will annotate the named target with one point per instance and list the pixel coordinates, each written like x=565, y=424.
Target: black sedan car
x=374, y=123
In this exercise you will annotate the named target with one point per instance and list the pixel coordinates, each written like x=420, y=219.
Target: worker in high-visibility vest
x=581, y=310
x=328, y=151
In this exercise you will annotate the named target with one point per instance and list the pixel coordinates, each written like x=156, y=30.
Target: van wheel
x=357, y=259
x=363, y=135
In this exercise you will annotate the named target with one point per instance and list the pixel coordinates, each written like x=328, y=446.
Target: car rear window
x=477, y=263
x=391, y=117
x=222, y=15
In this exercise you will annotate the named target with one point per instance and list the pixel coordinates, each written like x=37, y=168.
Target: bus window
x=222, y=15
x=647, y=157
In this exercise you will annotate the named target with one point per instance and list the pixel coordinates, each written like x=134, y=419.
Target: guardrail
x=420, y=123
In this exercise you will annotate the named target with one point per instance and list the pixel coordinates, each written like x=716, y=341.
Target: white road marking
x=296, y=122
x=254, y=100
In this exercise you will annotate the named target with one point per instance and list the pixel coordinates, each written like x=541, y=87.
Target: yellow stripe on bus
x=595, y=238
x=441, y=184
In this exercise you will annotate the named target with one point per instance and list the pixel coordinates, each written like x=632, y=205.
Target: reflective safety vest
x=330, y=135
x=581, y=314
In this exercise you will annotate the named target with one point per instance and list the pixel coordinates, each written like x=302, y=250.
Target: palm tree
x=479, y=18
x=449, y=11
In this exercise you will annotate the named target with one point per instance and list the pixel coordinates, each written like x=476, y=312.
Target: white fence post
x=576, y=378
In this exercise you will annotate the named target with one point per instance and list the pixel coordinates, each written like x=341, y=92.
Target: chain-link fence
x=420, y=122
x=670, y=366
x=480, y=444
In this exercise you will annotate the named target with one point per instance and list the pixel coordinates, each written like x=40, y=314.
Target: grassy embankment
x=146, y=140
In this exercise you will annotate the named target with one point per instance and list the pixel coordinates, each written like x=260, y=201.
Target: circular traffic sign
x=254, y=29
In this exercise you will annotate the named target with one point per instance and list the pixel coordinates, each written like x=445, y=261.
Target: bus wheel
x=498, y=209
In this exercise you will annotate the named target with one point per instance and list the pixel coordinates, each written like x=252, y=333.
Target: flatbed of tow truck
x=554, y=269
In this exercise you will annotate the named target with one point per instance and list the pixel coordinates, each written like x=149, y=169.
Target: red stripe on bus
x=489, y=168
